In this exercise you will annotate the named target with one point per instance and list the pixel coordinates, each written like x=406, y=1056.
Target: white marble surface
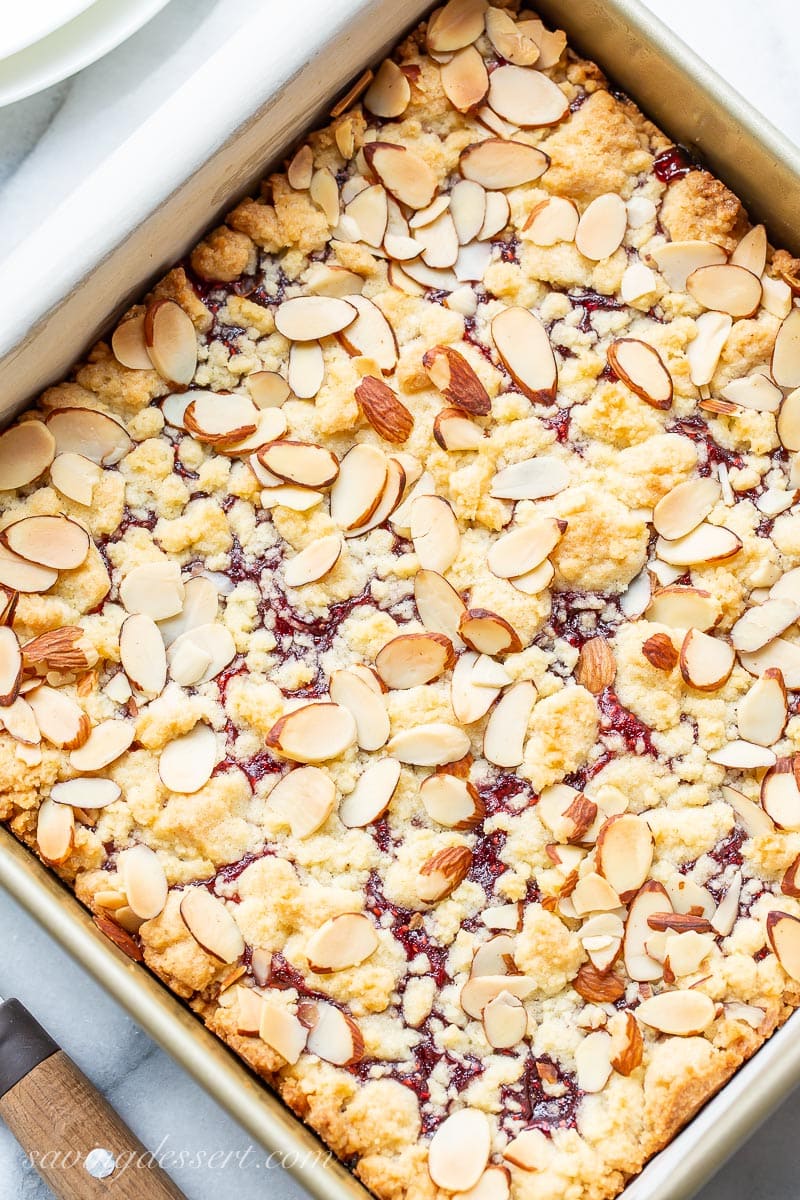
x=47, y=144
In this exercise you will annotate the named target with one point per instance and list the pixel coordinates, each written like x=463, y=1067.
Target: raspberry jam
x=408, y=929
x=673, y=163
x=527, y=1100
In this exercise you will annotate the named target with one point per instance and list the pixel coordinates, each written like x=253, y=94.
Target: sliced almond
x=370, y=334
x=524, y=548
x=55, y=542
x=488, y=633
x=26, y=451
x=129, y=345
x=301, y=463
x=625, y=853
x=304, y=798
x=763, y=711
x=404, y=174
x=314, y=733
x=61, y=721
x=526, y=98
x=677, y=260
x=743, y=756
x=497, y=163
x=384, y=411
x=450, y=372
x=282, y=1031
x=780, y=794
x=763, y=623
x=651, y=898
x=554, y=220
x=752, y=817
x=454, y=431
x=314, y=562
x=783, y=934
x=431, y=745
x=95, y=435
x=703, y=353
x=785, y=365
x=459, y=1150
x=86, y=793
x=471, y=698
x=324, y=190
x=508, y=39
x=706, y=662
x=439, y=605
x=443, y=872
x=465, y=80
x=155, y=589
x=480, y=990
x=389, y=93
x=468, y=209
x=524, y=348
x=641, y=367
x=369, y=210
x=593, y=1061
x=306, y=369
x=390, y=498
x=434, y=532
x=457, y=24
x=683, y=608
x=75, y=477
x=143, y=654
x=300, y=169
x=684, y=961
x=10, y=666
x=451, y=801
x=683, y=508
x=18, y=719
x=531, y=479
x=230, y=420
x=504, y=737
x=627, y=1047
x=568, y=814
x=342, y=942
x=789, y=421
x=505, y=1021
x=63, y=649
x=781, y=654
x=309, y=318
x=333, y=1035
x=705, y=544
x=199, y=654
x=495, y=957
x=725, y=288
x=211, y=924
x=535, y=581
x=368, y=710
x=751, y=253
x=55, y=832
x=145, y=881
x=187, y=762
x=413, y=659
x=596, y=668
x=681, y=1013
x=298, y=499
x=107, y=741
x=171, y=342
x=601, y=227
x=372, y=794
x=328, y=280
x=358, y=488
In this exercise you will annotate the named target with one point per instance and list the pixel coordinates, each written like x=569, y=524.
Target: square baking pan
x=137, y=214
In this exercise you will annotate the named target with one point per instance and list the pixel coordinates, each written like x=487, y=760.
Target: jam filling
x=528, y=1102
x=673, y=163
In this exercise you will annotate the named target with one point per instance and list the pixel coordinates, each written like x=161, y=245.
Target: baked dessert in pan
x=399, y=647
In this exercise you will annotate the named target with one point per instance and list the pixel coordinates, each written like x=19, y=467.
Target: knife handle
x=73, y=1138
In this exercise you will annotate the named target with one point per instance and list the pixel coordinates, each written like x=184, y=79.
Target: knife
x=73, y=1138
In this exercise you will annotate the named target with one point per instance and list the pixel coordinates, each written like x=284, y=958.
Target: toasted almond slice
x=55, y=542
x=75, y=477
x=400, y=519
x=55, y=832
x=200, y=603
x=333, y=1035
x=10, y=666
x=384, y=411
x=342, y=942
x=155, y=589
x=450, y=372
x=105, y=744
x=780, y=794
x=143, y=654
x=504, y=737
x=725, y=288
x=782, y=654
x=413, y=659
x=470, y=700
x=314, y=733
x=451, y=801
x=457, y=24
x=372, y=794
x=788, y=586
x=171, y=342
x=641, y=367
x=282, y=1031
x=300, y=169
x=19, y=721
x=424, y=216
x=753, y=819
x=427, y=278
x=434, y=532
x=389, y=93
x=465, y=80
x=554, y=220
x=187, y=762
x=480, y=990
x=705, y=544
x=26, y=451
x=743, y=756
x=439, y=605
x=593, y=1061
x=525, y=547
x=531, y=479
x=211, y=924
x=330, y=280
x=678, y=260
x=129, y=345
x=508, y=39
x=439, y=242
x=221, y=419
x=368, y=710
x=497, y=163
x=601, y=227
x=703, y=353
x=86, y=793
x=302, y=463
x=309, y=318
x=454, y=431
x=551, y=42
x=783, y=934
x=505, y=1021
x=625, y=853
x=593, y=894
x=488, y=633
x=248, y=1005
x=706, y=662
x=526, y=353
x=313, y=563
x=488, y=673
x=60, y=720
x=684, y=607
x=683, y=508
x=495, y=957
x=502, y=916
x=370, y=212
x=638, y=281
x=785, y=365
x=95, y=435
x=526, y=98
x=651, y=898
x=404, y=174
x=324, y=190
x=468, y=209
x=763, y=711
x=763, y=623
x=298, y=499
x=681, y=1013
x=390, y=498
x=459, y=1150
x=304, y=798
x=306, y=369
x=776, y=297
x=431, y=745
x=751, y=253
x=789, y=421
x=370, y=335
x=535, y=581
x=358, y=488
x=568, y=814
x=270, y=424
x=145, y=882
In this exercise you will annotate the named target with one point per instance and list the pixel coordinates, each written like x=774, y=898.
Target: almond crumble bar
x=399, y=647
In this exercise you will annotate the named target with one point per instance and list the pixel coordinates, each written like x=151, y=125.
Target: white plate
x=28, y=22
x=99, y=28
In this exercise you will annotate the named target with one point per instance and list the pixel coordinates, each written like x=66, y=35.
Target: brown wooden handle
x=59, y=1117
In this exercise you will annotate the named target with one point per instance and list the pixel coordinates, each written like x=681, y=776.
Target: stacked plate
x=44, y=41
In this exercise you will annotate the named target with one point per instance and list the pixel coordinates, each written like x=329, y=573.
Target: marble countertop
x=47, y=144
